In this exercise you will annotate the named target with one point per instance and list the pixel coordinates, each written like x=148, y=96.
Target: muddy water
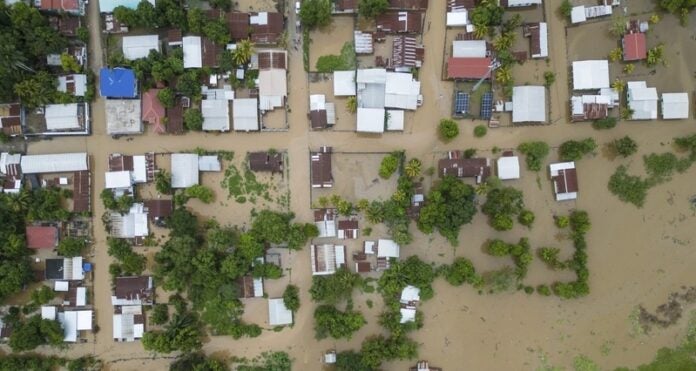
x=635, y=256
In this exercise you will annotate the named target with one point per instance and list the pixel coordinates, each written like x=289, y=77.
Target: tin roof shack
x=133, y=290
x=322, y=114
x=407, y=52
x=424, y=366
x=538, y=38
x=131, y=225
x=325, y=220
x=112, y=25
x=321, y=168
x=417, y=201
x=266, y=27
x=634, y=48
x=593, y=107
x=238, y=23
x=456, y=166
x=245, y=114
x=11, y=118
x=348, y=229
x=273, y=88
x=175, y=116
x=82, y=186
x=508, y=168
x=128, y=323
x=141, y=167
x=675, y=106
x=579, y=14
x=66, y=269
x=42, y=237
x=327, y=259
x=469, y=68
x=158, y=210
x=400, y=22
x=250, y=287
x=266, y=161
x=58, y=119
x=565, y=180
x=74, y=321
x=642, y=101
x=386, y=251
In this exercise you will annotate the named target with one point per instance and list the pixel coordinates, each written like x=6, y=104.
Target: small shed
x=209, y=163
x=278, y=313
x=634, y=47
x=371, y=120
x=348, y=229
x=565, y=180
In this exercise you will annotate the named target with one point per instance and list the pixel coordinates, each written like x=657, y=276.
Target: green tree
x=291, y=297
x=329, y=321
x=43, y=295
x=167, y=97
x=628, y=188
x=480, y=131
x=605, y=123
x=462, y=271
x=411, y=271
x=450, y=205
x=225, y=5
x=201, y=192
x=243, y=52
x=526, y=218
x=448, y=129
x=574, y=150
x=196, y=20
x=71, y=246
x=501, y=204
x=549, y=78
x=535, y=153
x=372, y=8
x=163, y=182
x=334, y=288
x=189, y=85
x=217, y=31
x=197, y=362
x=160, y=314
x=656, y=55
x=267, y=270
x=34, y=332
x=388, y=166
x=352, y=105
x=69, y=63
x=413, y=168
x=350, y=361
x=618, y=26
x=566, y=8
x=193, y=119
x=378, y=349
x=315, y=13
x=36, y=91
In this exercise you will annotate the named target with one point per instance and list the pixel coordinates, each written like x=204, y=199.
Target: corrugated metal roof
x=55, y=163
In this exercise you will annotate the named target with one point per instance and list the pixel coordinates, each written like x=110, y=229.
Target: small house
x=158, y=210
x=424, y=366
x=153, y=111
x=245, y=114
x=410, y=296
x=118, y=82
x=74, y=84
x=278, y=313
x=184, y=170
x=344, y=83
x=456, y=166
x=469, y=68
x=67, y=269
x=74, y=321
x=250, y=287
x=123, y=116
x=407, y=52
x=42, y=237
x=565, y=180
x=634, y=47
x=76, y=7
x=54, y=163
x=134, y=290
x=128, y=323
x=325, y=220
x=528, y=104
x=266, y=28
x=675, y=106
x=266, y=161
x=216, y=114
x=590, y=74
x=321, y=168
x=327, y=259
x=136, y=47
x=130, y=225
x=193, y=52
x=399, y=22
x=11, y=118
x=348, y=229
x=509, y=167
x=539, y=39
x=642, y=100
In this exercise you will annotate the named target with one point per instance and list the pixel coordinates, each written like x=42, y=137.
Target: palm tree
x=352, y=105
x=242, y=54
x=503, y=75
x=413, y=168
x=19, y=201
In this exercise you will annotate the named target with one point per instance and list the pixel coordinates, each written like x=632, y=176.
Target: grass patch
x=243, y=186
x=343, y=62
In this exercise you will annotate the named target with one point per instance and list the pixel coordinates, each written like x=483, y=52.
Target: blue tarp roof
x=117, y=83
x=107, y=6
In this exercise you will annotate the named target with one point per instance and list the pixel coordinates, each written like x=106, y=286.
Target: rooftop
x=42, y=237
x=634, y=48
x=134, y=290
x=117, y=83
x=590, y=74
x=468, y=68
x=321, y=168
x=136, y=47
x=528, y=104
x=266, y=161
x=123, y=116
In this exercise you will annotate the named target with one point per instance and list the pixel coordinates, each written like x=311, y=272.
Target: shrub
x=624, y=146
x=462, y=271
x=605, y=123
x=469, y=152
x=200, y=192
x=526, y=218
x=498, y=248
x=480, y=131
x=561, y=221
x=574, y=150
x=448, y=129
x=628, y=188
x=291, y=298
x=329, y=321
x=388, y=166
x=315, y=13
x=163, y=182
x=193, y=119
x=549, y=255
x=160, y=314
x=549, y=78
x=535, y=153
x=580, y=221
x=566, y=8
x=71, y=246
x=543, y=290
x=372, y=8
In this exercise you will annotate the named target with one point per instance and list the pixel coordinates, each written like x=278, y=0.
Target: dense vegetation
x=38, y=362
x=535, y=153
x=624, y=147
x=450, y=205
x=680, y=8
x=335, y=288
x=329, y=321
x=372, y=8
x=394, y=212
x=315, y=13
x=390, y=163
x=342, y=62
x=29, y=333
x=580, y=225
x=520, y=253
x=574, y=150
x=502, y=205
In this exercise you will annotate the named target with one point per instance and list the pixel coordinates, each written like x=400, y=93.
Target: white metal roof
x=136, y=47
x=642, y=101
x=84, y=319
x=407, y=315
x=469, y=48
x=273, y=82
x=133, y=224
x=675, y=106
x=395, y=120
x=327, y=228
x=370, y=120
x=410, y=293
x=8, y=159
x=61, y=116
x=577, y=14
x=216, y=115
x=209, y=163
x=245, y=114
x=79, y=82
x=543, y=41
x=514, y=3
x=69, y=322
x=344, y=83
x=387, y=249
x=72, y=268
x=555, y=168
x=317, y=102
x=118, y=179
x=123, y=116
x=139, y=174
x=509, y=167
x=371, y=76
x=590, y=74
x=528, y=104
x=184, y=170
x=278, y=314
x=193, y=57
x=363, y=42
x=401, y=91
x=48, y=312
x=55, y=163
x=61, y=286
x=457, y=18
x=81, y=296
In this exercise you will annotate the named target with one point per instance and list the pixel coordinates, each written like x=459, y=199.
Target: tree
x=334, y=288
x=197, y=362
x=605, y=123
x=388, y=166
x=217, y=31
x=243, y=52
x=352, y=105
x=501, y=204
x=624, y=146
x=71, y=246
x=196, y=19
x=450, y=205
x=291, y=297
x=160, y=314
x=462, y=271
x=526, y=218
x=193, y=119
x=43, y=295
x=34, y=332
x=413, y=168
x=378, y=349
x=574, y=150
x=566, y=8
x=549, y=78
x=372, y=8
x=628, y=188
x=350, y=361
x=69, y=63
x=656, y=56
x=267, y=270
x=480, y=131
x=329, y=321
x=315, y=13
x=200, y=192
x=618, y=26
x=616, y=55
x=535, y=153
x=628, y=69
x=411, y=271
x=36, y=91
x=163, y=182
x=167, y=97
x=225, y=5
x=448, y=129
x=189, y=85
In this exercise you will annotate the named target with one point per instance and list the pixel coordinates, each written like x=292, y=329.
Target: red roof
x=634, y=47
x=153, y=111
x=60, y=5
x=468, y=68
x=39, y=237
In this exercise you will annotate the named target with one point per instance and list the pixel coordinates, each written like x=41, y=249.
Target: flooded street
x=636, y=256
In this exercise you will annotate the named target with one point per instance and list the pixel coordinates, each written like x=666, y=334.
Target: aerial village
x=269, y=185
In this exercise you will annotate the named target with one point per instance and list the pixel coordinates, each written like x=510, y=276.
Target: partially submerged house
x=565, y=180
x=469, y=68
x=266, y=161
x=123, y=116
x=66, y=118
x=245, y=114
x=327, y=259
x=642, y=100
x=133, y=290
x=590, y=74
x=344, y=83
x=130, y=225
x=675, y=106
x=73, y=84
x=457, y=166
x=528, y=104
x=321, y=168
x=386, y=250
x=410, y=296
x=266, y=28
x=424, y=366
x=250, y=287
x=458, y=13
x=152, y=111
x=278, y=313
x=118, y=82
x=348, y=229
x=407, y=53
x=216, y=114
x=325, y=220
x=508, y=168
x=400, y=22
x=582, y=13
x=128, y=323
x=74, y=321
x=322, y=114
x=54, y=163
x=634, y=47
x=42, y=237
x=378, y=89
x=158, y=210
x=273, y=85
x=538, y=38
x=593, y=107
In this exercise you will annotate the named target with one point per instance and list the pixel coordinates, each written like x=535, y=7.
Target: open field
x=330, y=39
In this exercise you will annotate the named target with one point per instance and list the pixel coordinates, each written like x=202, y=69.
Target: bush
x=549, y=255
x=501, y=205
x=535, y=153
x=291, y=298
x=193, y=119
x=462, y=271
x=549, y=78
x=388, y=166
x=573, y=150
x=329, y=321
x=628, y=188
x=624, y=146
x=372, y=8
x=163, y=182
x=71, y=246
x=160, y=314
x=343, y=62
x=561, y=221
x=580, y=221
x=470, y=153
x=605, y=123
x=526, y=218
x=543, y=289
x=268, y=271
x=315, y=13
x=480, y=131
x=448, y=129
x=200, y=192
x=498, y=248
x=334, y=288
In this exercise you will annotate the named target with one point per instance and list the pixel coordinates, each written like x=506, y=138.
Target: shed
x=634, y=48
x=509, y=167
x=371, y=120
x=74, y=84
x=54, y=163
x=326, y=259
x=238, y=23
x=325, y=220
x=266, y=161
x=278, y=314
x=159, y=208
x=519, y=3
x=42, y=237
x=407, y=52
x=193, y=51
x=117, y=82
x=245, y=114
x=48, y=312
x=528, y=104
x=565, y=180
x=136, y=47
x=539, y=39
x=363, y=42
x=128, y=323
x=590, y=74
x=348, y=229
x=457, y=18
x=133, y=290
x=469, y=48
x=118, y=179
x=61, y=286
x=184, y=170
x=675, y=106
x=344, y=83
x=410, y=295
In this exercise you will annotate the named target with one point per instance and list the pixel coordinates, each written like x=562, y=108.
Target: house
x=193, y=52
x=136, y=47
x=216, y=114
x=642, y=101
x=406, y=52
x=117, y=82
x=174, y=37
x=278, y=314
x=528, y=104
x=363, y=267
x=74, y=84
x=456, y=166
x=11, y=118
x=363, y=42
x=371, y=120
x=140, y=167
x=469, y=68
x=159, y=209
x=184, y=170
x=133, y=290
x=675, y=106
x=266, y=27
x=579, y=14
x=152, y=111
x=424, y=366
x=565, y=180
x=266, y=161
x=386, y=249
x=345, y=6
x=399, y=22
x=118, y=180
x=65, y=117
x=250, y=287
x=593, y=107
x=319, y=111
x=508, y=167
x=519, y=3
x=348, y=229
x=67, y=269
x=273, y=88
x=74, y=296
x=49, y=312
x=54, y=163
x=130, y=225
x=344, y=83
x=408, y=4
x=539, y=39
x=378, y=89
x=238, y=23
x=113, y=25
x=82, y=196
x=74, y=321
x=175, y=117
x=65, y=25
x=123, y=116
x=76, y=7
x=269, y=59
x=327, y=259
x=325, y=220
x=42, y=237
x=469, y=49
x=245, y=114
x=128, y=323
x=211, y=53
x=209, y=163
x=634, y=48
x=410, y=296
x=321, y=168
x=590, y=74
x=108, y=6
x=401, y=91
x=457, y=18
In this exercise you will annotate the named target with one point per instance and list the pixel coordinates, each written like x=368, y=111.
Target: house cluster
x=130, y=295
x=478, y=168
